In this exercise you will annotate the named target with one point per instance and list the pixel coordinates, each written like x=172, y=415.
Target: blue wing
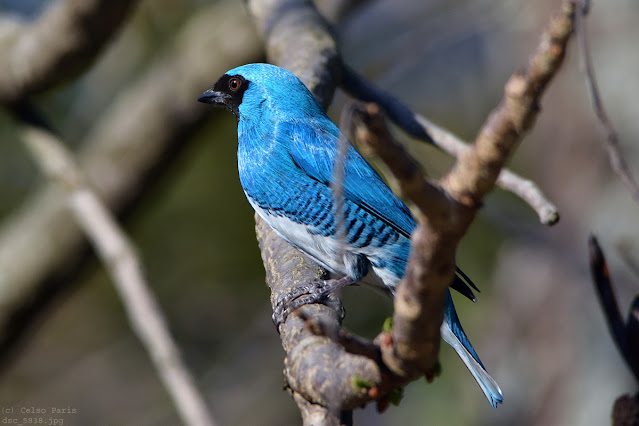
x=314, y=150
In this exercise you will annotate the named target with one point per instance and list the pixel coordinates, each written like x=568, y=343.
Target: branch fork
x=319, y=367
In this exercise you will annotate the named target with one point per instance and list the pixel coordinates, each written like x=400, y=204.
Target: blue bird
x=287, y=148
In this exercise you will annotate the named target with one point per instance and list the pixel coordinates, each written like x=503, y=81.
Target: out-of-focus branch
x=133, y=141
x=611, y=141
x=423, y=129
x=632, y=334
x=339, y=10
x=58, y=46
x=298, y=38
x=476, y=171
x=122, y=263
x=625, y=411
x=625, y=335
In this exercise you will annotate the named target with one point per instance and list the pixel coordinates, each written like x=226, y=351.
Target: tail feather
x=454, y=335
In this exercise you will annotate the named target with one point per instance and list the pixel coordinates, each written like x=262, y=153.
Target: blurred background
x=537, y=324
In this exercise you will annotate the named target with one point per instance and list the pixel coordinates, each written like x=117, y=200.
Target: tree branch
x=419, y=298
x=418, y=303
x=423, y=129
x=625, y=335
x=625, y=411
x=122, y=263
x=317, y=368
x=298, y=38
x=475, y=172
x=40, y=246
x=339, y=10
x=611, y=142
x=58, y=46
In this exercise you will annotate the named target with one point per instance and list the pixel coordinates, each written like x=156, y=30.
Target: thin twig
x=524, y=188
x=611, y=140
x=337, y=182
x=423, y=129
x=476, y=170
x=122, y=263
x=341, y=232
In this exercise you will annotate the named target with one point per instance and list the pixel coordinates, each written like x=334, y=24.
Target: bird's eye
x=234, y=84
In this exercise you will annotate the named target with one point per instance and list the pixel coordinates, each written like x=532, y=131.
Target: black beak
x=213, y=97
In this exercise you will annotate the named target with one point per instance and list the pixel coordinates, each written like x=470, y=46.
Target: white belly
x=326, y=251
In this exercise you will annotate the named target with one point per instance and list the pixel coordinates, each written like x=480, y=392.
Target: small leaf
x=388, y=325
x=360, y=383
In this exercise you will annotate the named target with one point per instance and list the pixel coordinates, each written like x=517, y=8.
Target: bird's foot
x=313, y=292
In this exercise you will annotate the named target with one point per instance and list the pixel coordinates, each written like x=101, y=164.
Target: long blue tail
x=453, y=333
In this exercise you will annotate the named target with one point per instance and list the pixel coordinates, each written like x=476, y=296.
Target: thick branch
x=58, y=46
x=315, y=414
x=299, y=39
x=316, y=366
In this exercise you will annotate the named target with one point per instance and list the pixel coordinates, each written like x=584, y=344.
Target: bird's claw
x=313, y=292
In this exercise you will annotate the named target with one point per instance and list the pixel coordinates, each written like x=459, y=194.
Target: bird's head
x=254, y=91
